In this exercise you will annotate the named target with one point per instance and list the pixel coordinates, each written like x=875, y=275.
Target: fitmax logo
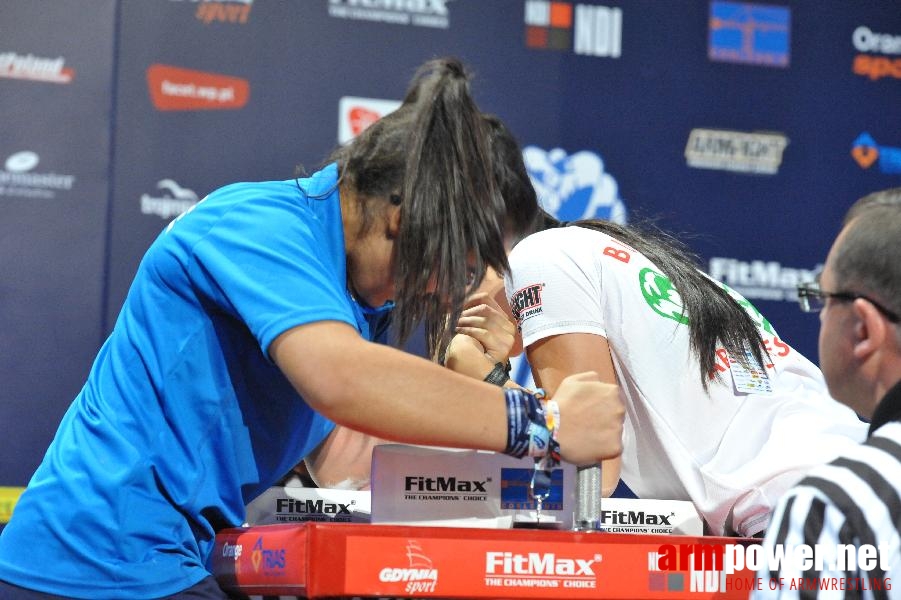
x=311, y=506
x=534, y=563
x=422, y=13
x=621, y=517
x=443, y=484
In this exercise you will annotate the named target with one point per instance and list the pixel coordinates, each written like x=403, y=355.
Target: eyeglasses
x=813, y=299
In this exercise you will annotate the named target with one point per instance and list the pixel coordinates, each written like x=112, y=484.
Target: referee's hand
x=591, y=419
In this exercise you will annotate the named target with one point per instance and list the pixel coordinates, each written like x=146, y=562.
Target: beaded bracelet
x=531, y=429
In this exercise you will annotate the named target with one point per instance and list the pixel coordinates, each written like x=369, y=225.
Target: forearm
x=388, y=393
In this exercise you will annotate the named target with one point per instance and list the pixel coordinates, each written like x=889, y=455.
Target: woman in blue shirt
x=246, y=335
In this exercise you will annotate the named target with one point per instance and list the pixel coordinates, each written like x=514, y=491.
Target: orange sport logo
x=177, y=88
x=880, y=54
x=224, y=12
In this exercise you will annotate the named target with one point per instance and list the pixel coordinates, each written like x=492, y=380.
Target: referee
x=847, y=512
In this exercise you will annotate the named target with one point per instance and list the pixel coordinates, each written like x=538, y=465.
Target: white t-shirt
x=731, y=451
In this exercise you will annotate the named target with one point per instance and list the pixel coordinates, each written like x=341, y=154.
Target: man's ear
x=870, y=329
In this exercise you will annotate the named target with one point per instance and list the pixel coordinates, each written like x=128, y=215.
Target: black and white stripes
x=854, y=500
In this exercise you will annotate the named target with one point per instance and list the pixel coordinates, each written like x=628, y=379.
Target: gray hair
x=891, y=196
x=868, y=258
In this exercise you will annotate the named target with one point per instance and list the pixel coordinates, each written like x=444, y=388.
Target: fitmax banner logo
x=443, y=484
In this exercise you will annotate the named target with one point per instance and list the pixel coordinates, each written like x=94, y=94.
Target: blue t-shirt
x=184, y=419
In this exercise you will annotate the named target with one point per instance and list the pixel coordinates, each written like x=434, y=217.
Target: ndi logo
x=701, y=564
x=589, y=30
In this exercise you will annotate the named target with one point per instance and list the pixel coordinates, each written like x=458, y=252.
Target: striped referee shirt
x=836, y=511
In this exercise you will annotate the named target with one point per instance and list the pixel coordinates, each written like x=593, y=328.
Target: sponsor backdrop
x=745, y=128
x=56, y=103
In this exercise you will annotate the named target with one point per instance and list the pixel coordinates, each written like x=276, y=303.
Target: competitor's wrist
x=499, y=375
x=531, y=425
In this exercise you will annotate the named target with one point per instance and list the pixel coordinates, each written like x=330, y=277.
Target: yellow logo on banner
x=8, y=498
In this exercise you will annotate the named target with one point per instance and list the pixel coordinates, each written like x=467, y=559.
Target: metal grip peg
x=588, y=499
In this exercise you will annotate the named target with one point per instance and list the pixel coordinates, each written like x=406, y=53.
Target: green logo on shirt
x=661, y=296
x=665, y=300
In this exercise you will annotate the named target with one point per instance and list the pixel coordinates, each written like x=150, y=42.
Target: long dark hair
x=524, y=214
x=432, y=155
x=714, y=317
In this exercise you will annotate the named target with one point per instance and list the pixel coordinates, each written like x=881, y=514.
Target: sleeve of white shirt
x=554, y=286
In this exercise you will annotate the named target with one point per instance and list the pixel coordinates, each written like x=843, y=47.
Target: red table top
x=319, y=560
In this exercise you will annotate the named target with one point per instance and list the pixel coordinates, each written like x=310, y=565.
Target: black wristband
x=499, y=375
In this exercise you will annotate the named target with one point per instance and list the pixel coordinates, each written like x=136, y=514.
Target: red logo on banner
x=361, y=118
x=176, y=88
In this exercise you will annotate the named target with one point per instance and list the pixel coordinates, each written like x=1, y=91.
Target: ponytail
x=451, y=209
x=432, y=154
